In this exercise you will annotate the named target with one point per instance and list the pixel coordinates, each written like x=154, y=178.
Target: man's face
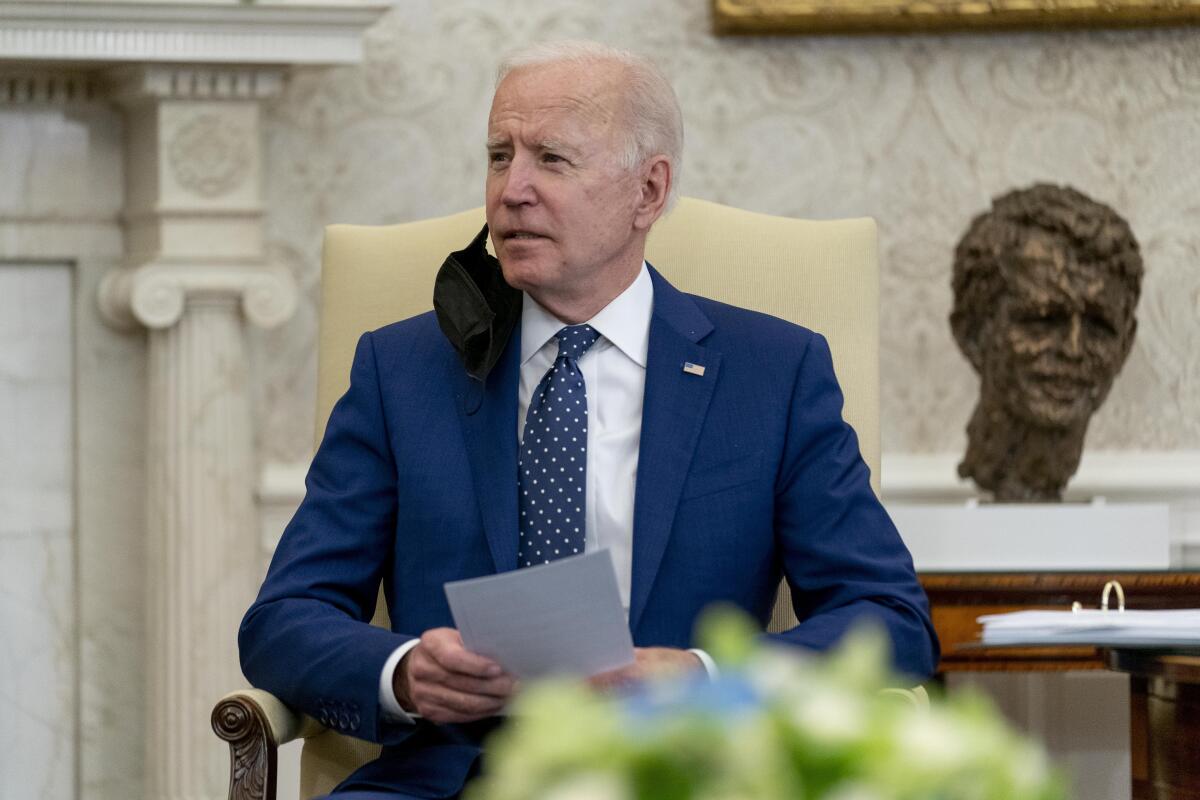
x=562, y=210
x=1062, y=333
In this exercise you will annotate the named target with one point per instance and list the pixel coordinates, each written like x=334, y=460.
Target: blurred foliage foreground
x=777, y=724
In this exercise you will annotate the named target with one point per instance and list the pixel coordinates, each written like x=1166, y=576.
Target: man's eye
x=1041, y=318
x=1100, y=324
x=553, y=158
x=497, y=158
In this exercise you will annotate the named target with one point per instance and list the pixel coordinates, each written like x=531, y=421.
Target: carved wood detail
x=252, y=750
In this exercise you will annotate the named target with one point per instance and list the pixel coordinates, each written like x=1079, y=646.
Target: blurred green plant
x=776, y=725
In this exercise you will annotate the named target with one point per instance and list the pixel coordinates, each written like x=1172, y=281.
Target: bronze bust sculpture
x=1045, y=288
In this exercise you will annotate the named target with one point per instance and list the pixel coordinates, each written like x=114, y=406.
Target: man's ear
x=967, y=332
x=655, y=179
x=1133, y=326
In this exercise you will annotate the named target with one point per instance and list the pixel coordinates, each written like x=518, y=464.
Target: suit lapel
x=673, y=412
x=489, y=414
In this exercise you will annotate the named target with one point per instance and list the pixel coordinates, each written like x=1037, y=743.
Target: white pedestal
x=1035, y=537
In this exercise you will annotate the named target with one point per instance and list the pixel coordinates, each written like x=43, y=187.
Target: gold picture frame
x=732, y=17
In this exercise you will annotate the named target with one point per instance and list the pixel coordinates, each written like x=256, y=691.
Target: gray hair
x=656, y=121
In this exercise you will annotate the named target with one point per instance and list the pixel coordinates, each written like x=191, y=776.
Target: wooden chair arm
x=916, y=695
x=255, y=723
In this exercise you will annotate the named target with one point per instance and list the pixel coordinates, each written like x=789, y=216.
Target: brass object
x=1108, y=587
x=1046, y=284
x=895, y=16
x=1045, y=287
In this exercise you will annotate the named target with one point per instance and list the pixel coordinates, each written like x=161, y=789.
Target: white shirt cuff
x=387, y=695
x=710, y=666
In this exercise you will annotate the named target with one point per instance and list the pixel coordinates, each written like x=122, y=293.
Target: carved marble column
x=195, y=277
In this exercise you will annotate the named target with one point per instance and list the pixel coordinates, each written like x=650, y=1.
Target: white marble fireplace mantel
x=131, y=160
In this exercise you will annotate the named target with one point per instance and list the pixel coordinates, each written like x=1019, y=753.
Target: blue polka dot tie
x=553, y=461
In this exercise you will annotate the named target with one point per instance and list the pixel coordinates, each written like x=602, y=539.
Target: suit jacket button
x=343, y=721
x=355, y=721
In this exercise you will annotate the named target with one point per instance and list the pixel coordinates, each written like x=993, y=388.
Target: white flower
x=832, y=715
x=936, y=742
x=776, y=727
x=590, y=786
x=855, y=791
x=1028, y=767
x=775, y=670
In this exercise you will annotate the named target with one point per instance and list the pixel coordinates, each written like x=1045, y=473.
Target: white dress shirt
x=614, y=373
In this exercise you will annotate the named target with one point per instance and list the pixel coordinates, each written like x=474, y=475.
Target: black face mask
x=475, y=308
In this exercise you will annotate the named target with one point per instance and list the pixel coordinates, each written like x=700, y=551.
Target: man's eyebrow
x=557, y=146
x=543, y=145
x=1104, y=309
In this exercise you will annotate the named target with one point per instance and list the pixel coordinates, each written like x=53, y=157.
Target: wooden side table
x=1164, y=722
x=957, y=598
x=1164, y=690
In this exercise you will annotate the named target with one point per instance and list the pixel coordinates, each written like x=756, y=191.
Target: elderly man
x=702, y=444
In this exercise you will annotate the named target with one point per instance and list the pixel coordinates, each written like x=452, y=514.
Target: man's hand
x=649, y=662
x=444, y=682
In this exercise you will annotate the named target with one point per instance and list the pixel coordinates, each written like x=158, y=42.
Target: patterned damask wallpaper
x=919, y=132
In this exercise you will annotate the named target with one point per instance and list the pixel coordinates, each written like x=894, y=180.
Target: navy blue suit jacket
x=746, y=474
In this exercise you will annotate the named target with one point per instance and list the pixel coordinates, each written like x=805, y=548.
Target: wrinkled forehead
x=587, y=96
x=1045, y=270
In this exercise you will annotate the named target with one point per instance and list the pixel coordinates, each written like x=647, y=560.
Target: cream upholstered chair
x=824, y=275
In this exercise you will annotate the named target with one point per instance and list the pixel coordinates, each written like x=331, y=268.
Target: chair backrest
x=821, y=274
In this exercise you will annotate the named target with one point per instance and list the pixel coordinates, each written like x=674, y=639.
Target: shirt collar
x=625, y=321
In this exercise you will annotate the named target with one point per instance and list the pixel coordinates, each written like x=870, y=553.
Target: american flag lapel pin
x=693, y=369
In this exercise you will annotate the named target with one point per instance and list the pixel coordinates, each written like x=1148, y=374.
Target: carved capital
x=269, y=299
x=155, y=295
x=132, y=297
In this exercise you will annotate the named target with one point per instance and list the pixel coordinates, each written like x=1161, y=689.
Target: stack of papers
x=1165, y=629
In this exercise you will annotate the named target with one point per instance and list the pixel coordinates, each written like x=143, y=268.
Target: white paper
x=1177, y=627
x=562, y=618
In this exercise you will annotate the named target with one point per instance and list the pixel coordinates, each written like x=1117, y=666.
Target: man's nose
x=1075, y=336
x=518, y=183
